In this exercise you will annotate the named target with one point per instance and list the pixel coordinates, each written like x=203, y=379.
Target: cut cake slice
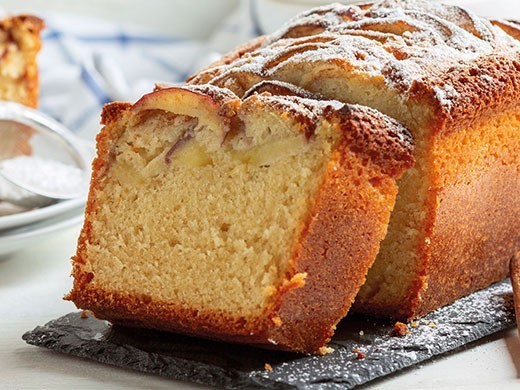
x=250, y=220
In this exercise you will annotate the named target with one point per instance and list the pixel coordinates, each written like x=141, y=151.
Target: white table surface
x=33, y=281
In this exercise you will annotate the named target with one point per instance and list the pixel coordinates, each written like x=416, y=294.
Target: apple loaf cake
x=19, y=44
x=453, y=79
x=251, y=220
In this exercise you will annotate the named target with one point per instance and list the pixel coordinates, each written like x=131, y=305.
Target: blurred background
x=199, y=18
x=182, y=18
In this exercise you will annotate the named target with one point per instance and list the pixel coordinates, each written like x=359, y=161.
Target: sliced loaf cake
x=250, y=220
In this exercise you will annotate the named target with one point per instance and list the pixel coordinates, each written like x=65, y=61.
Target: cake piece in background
x=453, y=79
x=249, y=220
x=19, y=44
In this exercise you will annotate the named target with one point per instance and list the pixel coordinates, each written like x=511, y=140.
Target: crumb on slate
x=268, y=367
x=359, y=355
x=399, y=330
x=84, y=314
x=415, y=324
x=432, y=325
x=325, y=350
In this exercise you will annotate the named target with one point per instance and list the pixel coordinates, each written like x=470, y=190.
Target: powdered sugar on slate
x=234, y=366
x=446, y=329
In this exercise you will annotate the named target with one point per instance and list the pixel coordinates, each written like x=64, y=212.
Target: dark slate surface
x=238, y=366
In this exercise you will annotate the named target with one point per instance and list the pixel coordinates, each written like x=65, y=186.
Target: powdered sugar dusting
x=445, y=94
x=403, y=41
x=446, y=329
x=45, y=176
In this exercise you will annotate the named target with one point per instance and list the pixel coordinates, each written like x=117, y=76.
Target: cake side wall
x=339, y=246
x=474, y=223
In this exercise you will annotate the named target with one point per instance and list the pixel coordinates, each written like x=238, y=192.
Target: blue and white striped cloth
x=86, y=63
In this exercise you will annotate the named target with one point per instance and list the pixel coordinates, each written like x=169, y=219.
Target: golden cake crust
x=330, y=260
x=515, y=281
x=475, y=225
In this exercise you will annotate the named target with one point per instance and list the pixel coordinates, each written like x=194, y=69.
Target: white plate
x=27, y=217
x=15, y=239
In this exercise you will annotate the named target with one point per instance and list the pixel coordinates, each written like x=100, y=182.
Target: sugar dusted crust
x=329, y=261
x=19, y=44
x=442, y=56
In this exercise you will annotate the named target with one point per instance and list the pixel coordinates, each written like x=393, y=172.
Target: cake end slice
x=249, y=220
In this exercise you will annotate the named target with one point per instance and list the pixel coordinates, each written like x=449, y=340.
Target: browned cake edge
x=515, y=282
x=329, y=263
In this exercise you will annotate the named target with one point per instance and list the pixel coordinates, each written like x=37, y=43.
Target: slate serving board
x=237, y=366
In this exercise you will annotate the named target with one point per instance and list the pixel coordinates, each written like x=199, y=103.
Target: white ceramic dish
x=29, y=217
x=22, y=237
x=50, y=143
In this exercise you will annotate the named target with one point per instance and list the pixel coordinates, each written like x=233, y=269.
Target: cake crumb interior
x=224, y=220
